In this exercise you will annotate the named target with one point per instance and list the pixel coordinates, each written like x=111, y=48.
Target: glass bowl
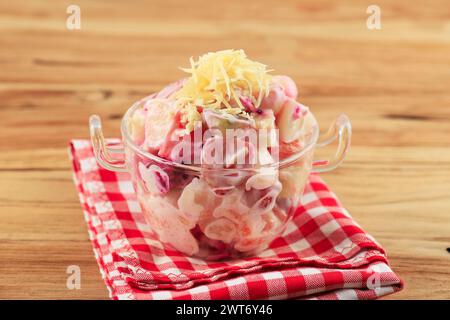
x=218, y=213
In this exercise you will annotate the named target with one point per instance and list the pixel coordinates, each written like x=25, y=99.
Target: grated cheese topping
x=218, y=81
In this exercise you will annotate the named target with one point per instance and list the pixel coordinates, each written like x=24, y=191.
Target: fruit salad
x=219, y=183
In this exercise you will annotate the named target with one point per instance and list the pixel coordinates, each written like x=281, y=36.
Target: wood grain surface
x=394, y=83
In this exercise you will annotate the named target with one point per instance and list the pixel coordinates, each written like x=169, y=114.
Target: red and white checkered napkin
x=323, y=253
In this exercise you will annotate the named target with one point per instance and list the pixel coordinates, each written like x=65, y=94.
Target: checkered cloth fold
x=323, y=254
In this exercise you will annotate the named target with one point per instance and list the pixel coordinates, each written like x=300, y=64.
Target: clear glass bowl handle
x=110, y=155
x=340, y=129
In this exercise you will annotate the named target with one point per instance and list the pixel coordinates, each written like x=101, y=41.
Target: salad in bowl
x=219, y=159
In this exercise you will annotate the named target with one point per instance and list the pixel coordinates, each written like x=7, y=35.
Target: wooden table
x=393, y=83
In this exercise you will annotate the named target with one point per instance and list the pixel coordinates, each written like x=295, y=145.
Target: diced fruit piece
x=294, y=177
x=275, y=99
x=221, y=229
x=222, y=120
x=267, y=132
x=260, y=229
x=288, y=149
x=232, y=207
x=155, y=179
x=161, y=121
x=136, y=126
x=251, y=226
x=197, y=199
x=289, y=86
x=265, y=120
x=168, y=224
x=188, y=205
x=267, y=202
x=290, y=120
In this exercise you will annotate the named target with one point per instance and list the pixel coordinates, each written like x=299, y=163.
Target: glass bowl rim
x=196, y=168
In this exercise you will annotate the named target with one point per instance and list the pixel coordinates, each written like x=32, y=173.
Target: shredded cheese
x=218, y=80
